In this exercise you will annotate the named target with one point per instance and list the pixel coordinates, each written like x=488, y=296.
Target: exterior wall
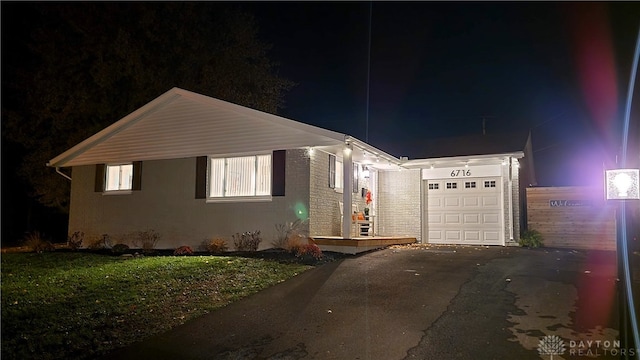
x=398, y=207
x=324, y=212
x=587, y=223
x=167, y=205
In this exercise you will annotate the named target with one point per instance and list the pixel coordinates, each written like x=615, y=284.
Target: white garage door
x=465, y=211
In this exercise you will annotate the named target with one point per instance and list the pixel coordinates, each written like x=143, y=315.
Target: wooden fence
x=572, y=217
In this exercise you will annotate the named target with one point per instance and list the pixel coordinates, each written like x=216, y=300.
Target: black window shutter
x=201, y=177
x=99, y=187
x=332, y=171
x=278, y=172
x=137, y=176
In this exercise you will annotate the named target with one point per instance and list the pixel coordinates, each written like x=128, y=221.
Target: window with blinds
x=119, y=177
x=240, y=176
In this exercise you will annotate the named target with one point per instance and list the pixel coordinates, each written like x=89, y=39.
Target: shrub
x=120, y=248
x=214, y=246
x=183, y=250
x=248, y=241
x=147, y=240
x=75, y=240
x=293, y=245
x=311, y=250
x=36, y=242
x=532, y=239
x=287, y=231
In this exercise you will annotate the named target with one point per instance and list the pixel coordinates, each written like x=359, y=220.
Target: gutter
x=63, y=174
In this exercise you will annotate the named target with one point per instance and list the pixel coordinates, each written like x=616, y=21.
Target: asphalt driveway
x=408, y=303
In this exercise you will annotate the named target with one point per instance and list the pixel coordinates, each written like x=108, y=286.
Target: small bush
x=36, y=242
x=120, y=248
x=532, y=239
x=74, y=241
x=248, y=241
x=287, y=231
x=293, y=245
x=214, y=246
x=147, y=240
x=103, y=242
x=183, y=250
x=309, y=250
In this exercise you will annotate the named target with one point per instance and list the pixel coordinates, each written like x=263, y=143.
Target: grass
x=81, y=305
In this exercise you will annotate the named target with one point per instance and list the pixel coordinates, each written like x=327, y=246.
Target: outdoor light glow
x=310, y=151
x=347, y=151
x=622, y=184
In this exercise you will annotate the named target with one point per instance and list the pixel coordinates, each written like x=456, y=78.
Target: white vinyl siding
x=119, y=177
x=240, y=176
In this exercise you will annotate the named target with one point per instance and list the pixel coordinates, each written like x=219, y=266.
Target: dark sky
x=437, y=69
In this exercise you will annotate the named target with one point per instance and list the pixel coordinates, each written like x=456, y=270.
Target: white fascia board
x=371, y=149
x=420, y=163
x=62, y=159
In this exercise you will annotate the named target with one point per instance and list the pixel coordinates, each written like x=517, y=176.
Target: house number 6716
x=455, y=173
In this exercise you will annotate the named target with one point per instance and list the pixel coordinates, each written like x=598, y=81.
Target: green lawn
x=80, y=305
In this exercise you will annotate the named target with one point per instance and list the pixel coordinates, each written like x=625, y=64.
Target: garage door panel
x=471, y=236
x=451, y=201
x=490, y=201
x=436, y=219
x=452, y=235
x=470, y=201
x=435, y=235
x=435, y=201
x=452, y=219
x=491, y=236
x=472, y=218
x=492, y=219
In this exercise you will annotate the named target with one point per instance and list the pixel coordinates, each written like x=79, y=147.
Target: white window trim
x=128, y=191
x=339, y=182
x=236, y=199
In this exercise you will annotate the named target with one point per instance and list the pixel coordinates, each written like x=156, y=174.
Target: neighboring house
x=191, y=168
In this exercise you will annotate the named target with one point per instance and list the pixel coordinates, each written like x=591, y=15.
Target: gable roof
x=181, y=124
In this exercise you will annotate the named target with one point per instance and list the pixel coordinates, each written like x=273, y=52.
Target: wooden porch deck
x=359, y=244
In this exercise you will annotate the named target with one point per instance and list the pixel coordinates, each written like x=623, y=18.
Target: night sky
x=437, y=69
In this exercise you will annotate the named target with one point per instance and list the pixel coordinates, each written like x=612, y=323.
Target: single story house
x=191, y=167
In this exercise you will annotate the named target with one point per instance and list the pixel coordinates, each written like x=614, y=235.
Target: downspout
x=63, y=174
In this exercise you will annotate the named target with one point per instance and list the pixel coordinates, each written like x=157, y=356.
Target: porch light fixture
x=622, y=184
x=365, y=172
x=466, y=164
x=310, y=151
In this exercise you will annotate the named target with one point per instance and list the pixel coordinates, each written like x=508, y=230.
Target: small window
x=434, y=186
x=452, y=185
x=119, y=177
x=490, y=184
x=469, y=184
